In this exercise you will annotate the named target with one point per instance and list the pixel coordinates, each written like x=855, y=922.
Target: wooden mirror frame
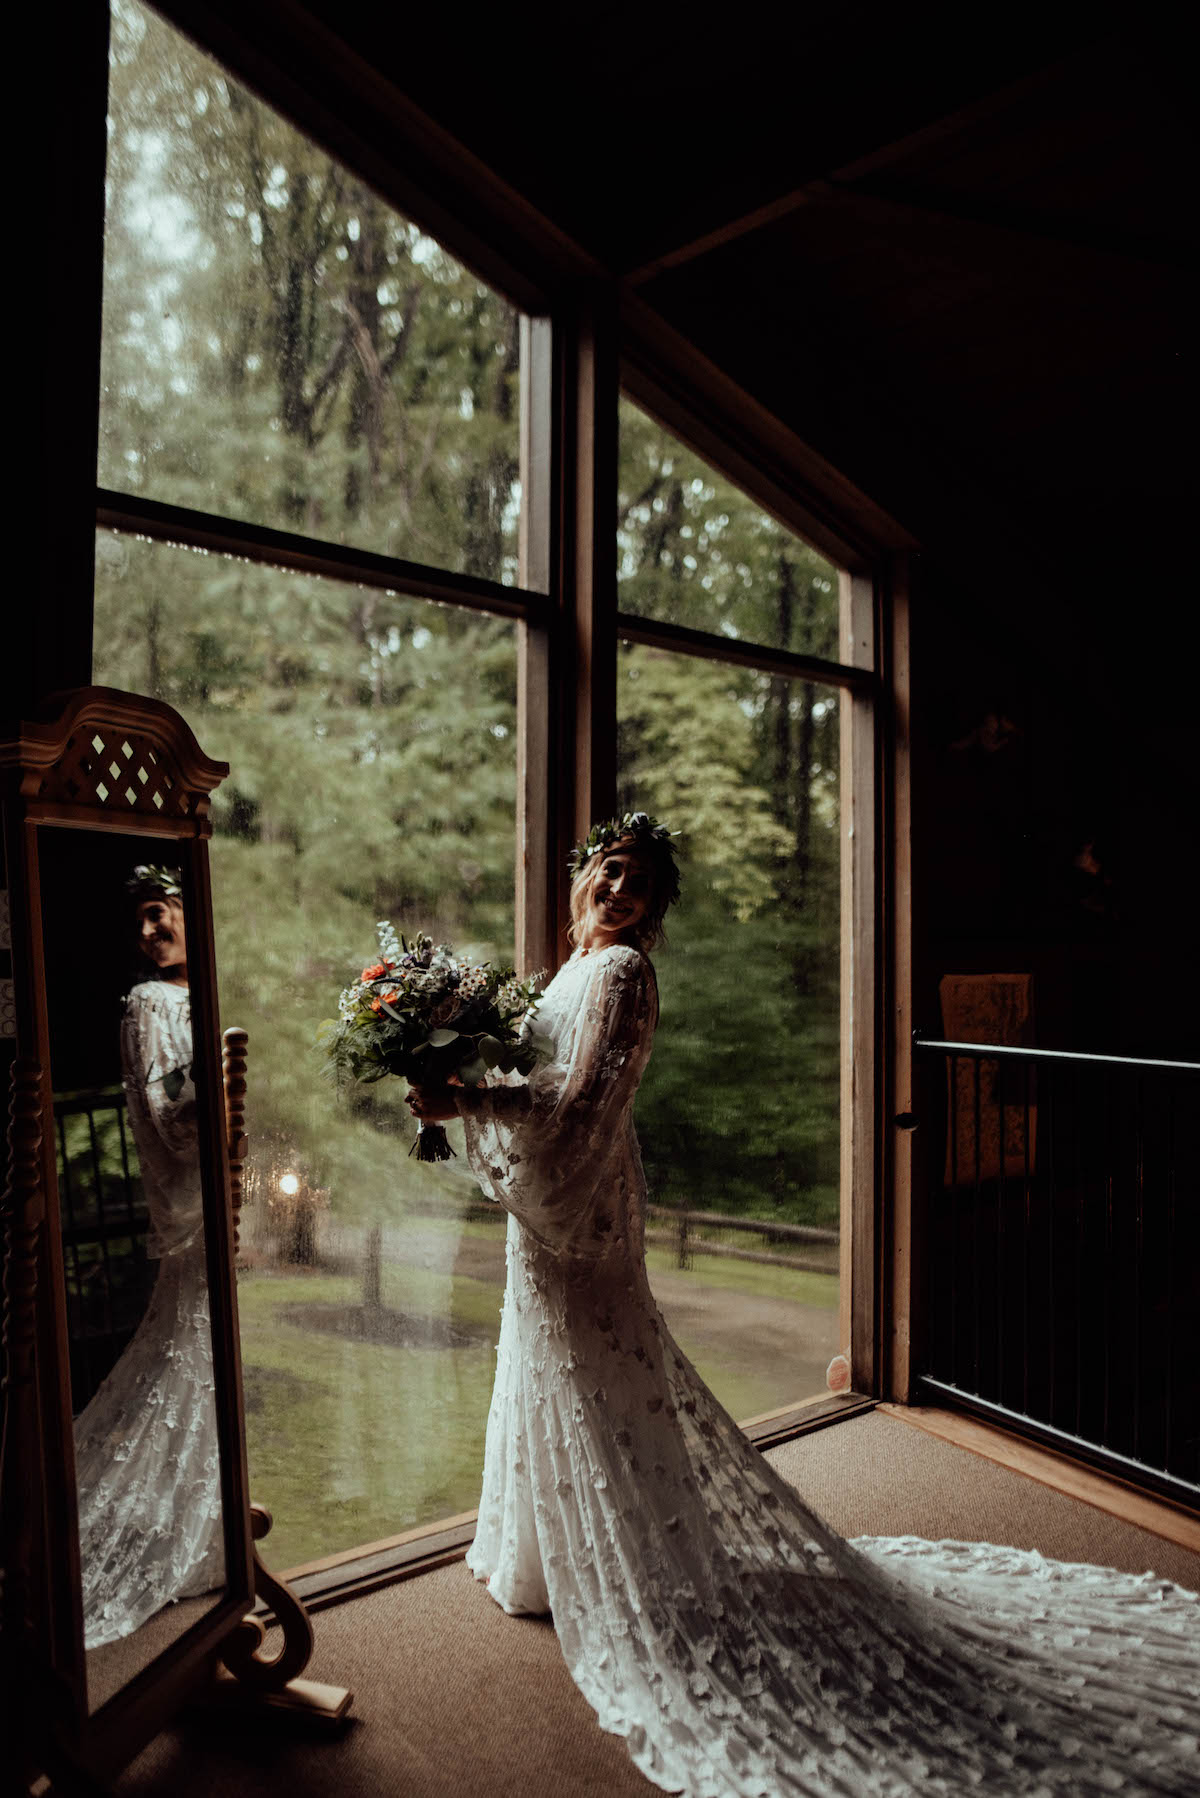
x=53, y=774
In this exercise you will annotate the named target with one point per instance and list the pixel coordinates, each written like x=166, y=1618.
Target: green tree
x=281, y=346
x=742, y=1111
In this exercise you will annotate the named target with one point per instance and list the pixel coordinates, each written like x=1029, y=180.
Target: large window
x=739, y=1112
x=283, y=350
x=280, y=346
x=341, y=534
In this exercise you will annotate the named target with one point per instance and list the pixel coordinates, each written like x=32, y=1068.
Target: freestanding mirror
x=128, y=1115
x=129, y=1563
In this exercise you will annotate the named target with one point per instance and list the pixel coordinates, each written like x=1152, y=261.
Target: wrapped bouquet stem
x=434, y=1019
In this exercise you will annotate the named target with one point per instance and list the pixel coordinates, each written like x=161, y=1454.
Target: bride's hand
x=433, y=1105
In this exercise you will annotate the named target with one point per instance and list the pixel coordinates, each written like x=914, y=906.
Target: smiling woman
x=617, y=898
x=624, y=878
x=158, y=922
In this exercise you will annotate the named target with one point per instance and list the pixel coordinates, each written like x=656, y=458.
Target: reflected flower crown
x=649, y=836
x=149, y=881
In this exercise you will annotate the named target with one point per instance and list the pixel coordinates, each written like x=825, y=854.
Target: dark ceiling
x=948, y=248
x=960, y=262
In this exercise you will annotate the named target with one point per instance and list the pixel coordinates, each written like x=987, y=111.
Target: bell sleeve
x=533, y=1146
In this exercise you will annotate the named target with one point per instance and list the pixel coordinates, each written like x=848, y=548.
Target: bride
x=146, y=1456
x=705, y=1612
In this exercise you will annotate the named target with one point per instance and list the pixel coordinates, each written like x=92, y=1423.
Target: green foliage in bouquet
x=434, y=1020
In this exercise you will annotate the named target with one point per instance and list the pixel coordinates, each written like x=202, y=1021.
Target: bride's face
x=160, y=934
x=620, y=896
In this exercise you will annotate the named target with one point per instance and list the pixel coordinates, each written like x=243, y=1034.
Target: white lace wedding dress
x=705, y=1612
x=146, y=1455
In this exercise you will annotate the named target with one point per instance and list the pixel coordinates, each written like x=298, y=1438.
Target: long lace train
x=147, y=1464
x=708, y=1615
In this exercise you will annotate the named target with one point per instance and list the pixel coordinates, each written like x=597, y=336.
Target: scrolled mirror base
x=242, y=1653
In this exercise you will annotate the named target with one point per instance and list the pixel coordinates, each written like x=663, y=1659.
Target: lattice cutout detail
x=118, y=771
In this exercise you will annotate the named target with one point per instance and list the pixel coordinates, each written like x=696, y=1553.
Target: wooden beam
x=941, y=203
x=831, y=183
x=728, y=231
x=680, y=638
x=859, y=788
x=901, y=1158
x=309, y=555
x=590, y=552
x=709, y=412
x=306, y=71
x=536, y=900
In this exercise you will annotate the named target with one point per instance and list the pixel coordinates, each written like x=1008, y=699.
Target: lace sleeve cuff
x=484, y=1104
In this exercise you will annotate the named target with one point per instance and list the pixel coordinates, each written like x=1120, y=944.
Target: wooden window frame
x=697, y=404
x=584, y=337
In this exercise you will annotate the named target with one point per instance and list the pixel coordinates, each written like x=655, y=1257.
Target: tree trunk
x=804, y=762
x=154, y=667
x=372, y=1287
x=781, y=700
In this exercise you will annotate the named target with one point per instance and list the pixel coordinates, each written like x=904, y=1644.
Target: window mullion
x=594, y=561
x=860, y=790
x=261, y=543
x=536, y=902
x=632, y=628
x=582, y=677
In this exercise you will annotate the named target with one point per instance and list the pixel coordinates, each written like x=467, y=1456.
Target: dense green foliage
x=740, y=1108
x=281, y=347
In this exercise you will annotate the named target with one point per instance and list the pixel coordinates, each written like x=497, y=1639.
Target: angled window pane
x=280, y=346
x=371, y=739
x=692, y=549
x=738, y=1114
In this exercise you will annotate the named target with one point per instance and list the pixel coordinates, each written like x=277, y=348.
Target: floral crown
x=148, y=880
x=649, y=836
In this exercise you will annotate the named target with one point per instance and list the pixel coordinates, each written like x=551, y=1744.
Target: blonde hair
x=650, y=931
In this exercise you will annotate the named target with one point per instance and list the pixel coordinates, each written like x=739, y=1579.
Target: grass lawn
x=349, y=1440
x=354, y=1439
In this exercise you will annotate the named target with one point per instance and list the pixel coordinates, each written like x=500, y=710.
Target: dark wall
x=1057, y=799
x=45, y=614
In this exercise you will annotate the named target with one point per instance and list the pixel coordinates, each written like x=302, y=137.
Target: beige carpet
x=454, y=1698
x=113, y=1666
x=877, y=1476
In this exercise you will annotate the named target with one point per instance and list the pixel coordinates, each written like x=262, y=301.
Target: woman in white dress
x=705, y=1612
x=146, y=1454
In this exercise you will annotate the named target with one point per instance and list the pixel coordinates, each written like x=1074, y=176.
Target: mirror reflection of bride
x=146, y=1452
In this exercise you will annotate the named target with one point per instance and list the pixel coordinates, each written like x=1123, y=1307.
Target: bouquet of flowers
x=436, y=1020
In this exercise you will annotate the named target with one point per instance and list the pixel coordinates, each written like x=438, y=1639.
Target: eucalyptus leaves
x=435, y=1020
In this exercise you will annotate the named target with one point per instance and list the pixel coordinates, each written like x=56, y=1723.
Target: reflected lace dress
x=146, y=1454
x=707, y=1615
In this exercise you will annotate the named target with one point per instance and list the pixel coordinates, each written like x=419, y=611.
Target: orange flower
x=373, y=973
x=376, y=1004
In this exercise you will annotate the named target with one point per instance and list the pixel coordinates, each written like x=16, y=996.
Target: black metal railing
x=104, y=1230
x=1062, y=1243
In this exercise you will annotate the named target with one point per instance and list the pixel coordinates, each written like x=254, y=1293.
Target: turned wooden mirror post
x=128, y=1534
